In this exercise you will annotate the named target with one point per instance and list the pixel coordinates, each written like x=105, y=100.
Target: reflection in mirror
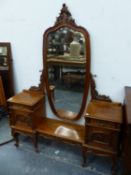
x=3, y=50
x=66, y=62
x=3, y=57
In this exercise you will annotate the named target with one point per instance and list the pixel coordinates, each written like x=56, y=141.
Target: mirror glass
x=3, y=58
x=66, y=63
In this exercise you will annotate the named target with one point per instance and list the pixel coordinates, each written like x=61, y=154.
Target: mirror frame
x=65, y=20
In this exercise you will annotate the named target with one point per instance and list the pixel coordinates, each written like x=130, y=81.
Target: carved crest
x=65, y=16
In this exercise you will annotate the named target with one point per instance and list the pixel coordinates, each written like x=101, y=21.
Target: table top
x=106, y=111
x=28, y=98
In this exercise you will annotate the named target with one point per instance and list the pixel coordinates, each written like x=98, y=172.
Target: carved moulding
x=94, y=93
x=65, y=16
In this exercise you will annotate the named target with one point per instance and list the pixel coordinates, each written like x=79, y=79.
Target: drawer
x=103, y=137
x=103, y=124
x=99, y=135
x=21, y=118
x=18, y=107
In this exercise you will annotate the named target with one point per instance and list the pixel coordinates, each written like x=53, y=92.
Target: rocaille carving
x=65, y=16
x=94, y=93
x=41, y=86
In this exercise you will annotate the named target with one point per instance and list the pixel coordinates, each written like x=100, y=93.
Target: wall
x=23, y=22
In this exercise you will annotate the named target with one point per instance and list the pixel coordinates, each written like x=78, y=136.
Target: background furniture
x=6, y=81
x=6, y=71
x=2, y=95
x=127, y=132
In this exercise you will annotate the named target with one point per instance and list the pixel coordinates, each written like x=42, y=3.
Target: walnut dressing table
x=68, y=101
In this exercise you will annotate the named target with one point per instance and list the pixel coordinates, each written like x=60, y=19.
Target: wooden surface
x=62, y=130
x=28, y=98
x=105, y=111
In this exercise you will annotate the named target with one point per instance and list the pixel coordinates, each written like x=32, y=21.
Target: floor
x=54, y=158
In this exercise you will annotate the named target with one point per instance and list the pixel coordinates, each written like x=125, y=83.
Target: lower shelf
x=98, y=148
x=61, y=130
x=23, y=129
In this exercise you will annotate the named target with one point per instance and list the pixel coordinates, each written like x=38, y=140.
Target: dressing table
x=66, y=80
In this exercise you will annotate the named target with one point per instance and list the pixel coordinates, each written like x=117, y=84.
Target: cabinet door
x=6, y=69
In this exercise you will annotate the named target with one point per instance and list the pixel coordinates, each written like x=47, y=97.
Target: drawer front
x=19, y=107
x=104, y=124
x=21, y=118
x=98, y=135
x=102, y=137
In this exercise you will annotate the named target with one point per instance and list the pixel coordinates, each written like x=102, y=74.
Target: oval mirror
x=66, y=51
